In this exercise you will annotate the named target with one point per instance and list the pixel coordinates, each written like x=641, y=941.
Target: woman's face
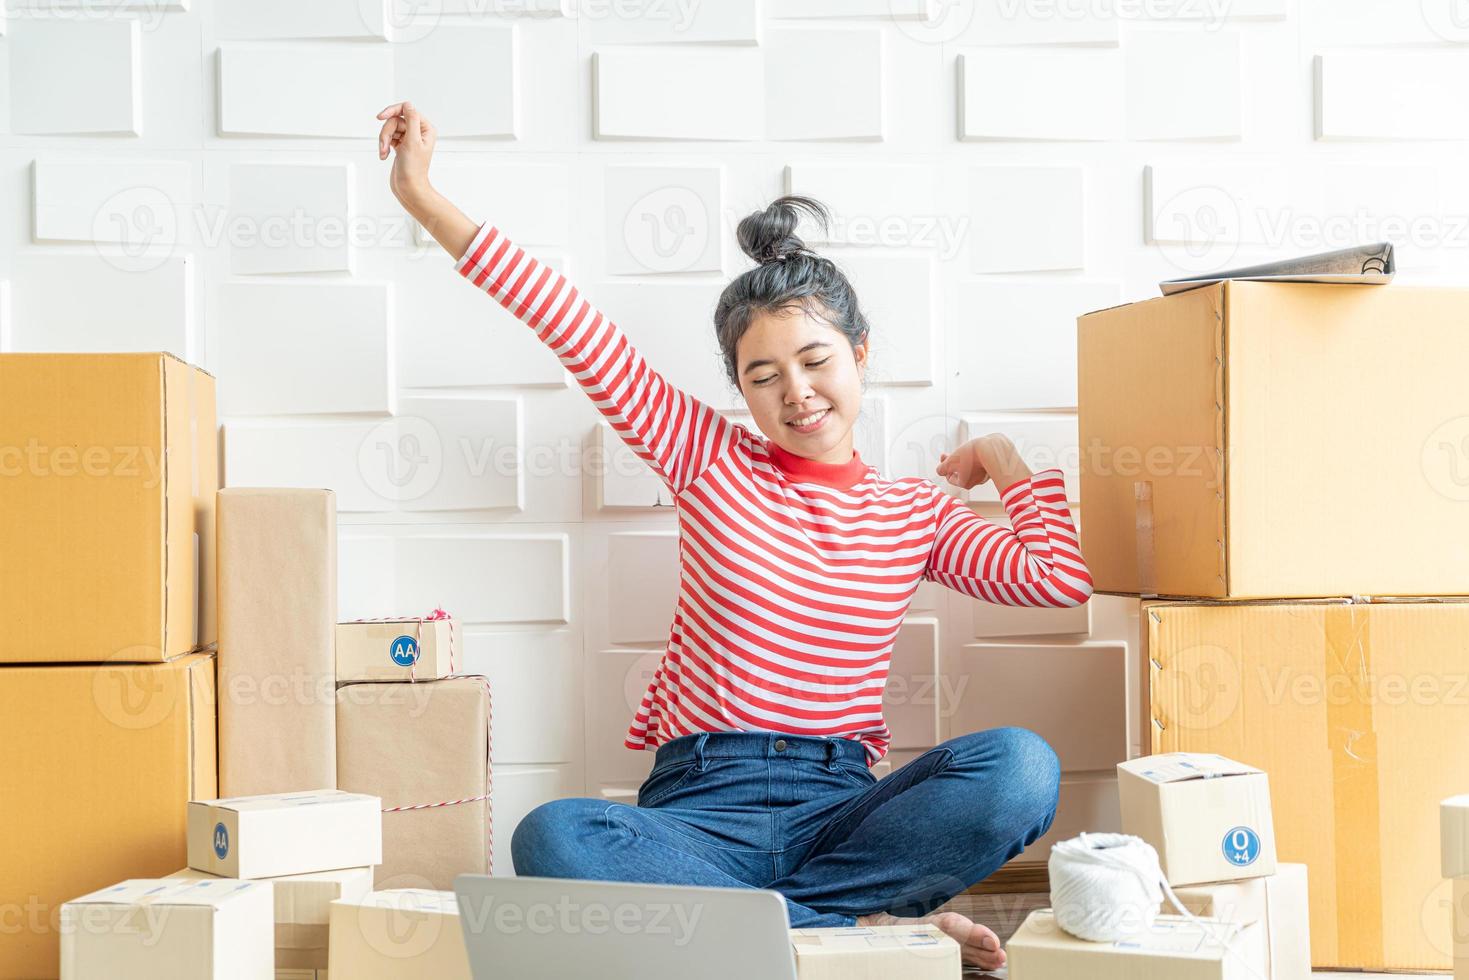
x=791, y=367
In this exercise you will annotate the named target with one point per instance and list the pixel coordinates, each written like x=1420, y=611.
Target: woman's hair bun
x=769, y=235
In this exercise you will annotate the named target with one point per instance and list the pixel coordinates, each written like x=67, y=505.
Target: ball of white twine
x=1106, y=887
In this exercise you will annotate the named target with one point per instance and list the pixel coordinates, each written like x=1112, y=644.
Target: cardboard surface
x=102, y=763
x=1278, y=903
x=402, y=934
x=403, y=650
x=277, y=629
x=1233, y=436
x=1358, y=713
x=108, y=471
x=303, y=909
x=162, y=929
x=1207, y=816
x=285, y=834
x=1174, y=949
x=875, y=953
x=1453, y=822
x=412, y=744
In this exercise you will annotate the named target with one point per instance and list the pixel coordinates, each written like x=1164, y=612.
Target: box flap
x=212, y=892
x=1177, y=767
x=281, y=801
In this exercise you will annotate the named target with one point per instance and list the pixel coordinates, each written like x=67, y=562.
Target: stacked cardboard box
x=108, y=474
x=1258, y=457
x=1454, y=858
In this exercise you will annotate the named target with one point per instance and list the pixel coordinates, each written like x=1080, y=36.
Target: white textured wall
x=200, y=176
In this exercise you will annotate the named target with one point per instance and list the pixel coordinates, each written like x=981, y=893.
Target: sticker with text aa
x=1241, y=846
x=404, y=651
x=221, y=841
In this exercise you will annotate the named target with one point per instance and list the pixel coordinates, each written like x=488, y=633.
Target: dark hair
x=789, y=274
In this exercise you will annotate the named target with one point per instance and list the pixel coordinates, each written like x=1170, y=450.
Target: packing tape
x=1352, y=738
x=438, y=615
x=484, y=682
x=1147, y=574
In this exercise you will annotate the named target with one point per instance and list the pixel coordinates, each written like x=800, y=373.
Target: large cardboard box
x=166, y=929
x=415, y=745
x=285, y=834
x=402, y=934
x=1172, y=949
x=108, y=469
x=1254, y=439
x=277, y=630
x=912, y=952
x=1208, y=817
x=1278, y=902
x=302, y=911
x=100, y=764
x=1358, y=712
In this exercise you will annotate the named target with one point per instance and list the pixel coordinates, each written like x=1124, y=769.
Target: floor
x=1004, y=913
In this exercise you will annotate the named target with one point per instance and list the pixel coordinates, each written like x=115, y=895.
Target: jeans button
x=780, y=745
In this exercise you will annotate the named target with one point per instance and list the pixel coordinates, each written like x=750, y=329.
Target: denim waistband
x=759, y=745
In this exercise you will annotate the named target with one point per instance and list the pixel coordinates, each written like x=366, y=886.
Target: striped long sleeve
x=1034, y=562
x=673, y=432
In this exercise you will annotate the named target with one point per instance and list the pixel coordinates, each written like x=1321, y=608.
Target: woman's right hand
x=413, y=139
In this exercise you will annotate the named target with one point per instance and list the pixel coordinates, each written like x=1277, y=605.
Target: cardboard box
x=108, y=469
x=913, y=952
x=1233, y=437
x=1453, y=823
x=102, y=761
x=165, y=929
x=1459, y=940
x=1207, y=816
x=398, y=650
x=1359, y=712
x=1173, y=949
x=302, y=911
x=277, y=630
x=1278, y=902
x=285, y=834
x=404, y=934
x=415, y=744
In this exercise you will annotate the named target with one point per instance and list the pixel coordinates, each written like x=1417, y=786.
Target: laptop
x=557, y=928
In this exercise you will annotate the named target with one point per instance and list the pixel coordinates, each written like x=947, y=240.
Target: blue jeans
x=804, y=816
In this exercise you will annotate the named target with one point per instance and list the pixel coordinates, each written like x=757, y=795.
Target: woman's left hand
x=991, y=457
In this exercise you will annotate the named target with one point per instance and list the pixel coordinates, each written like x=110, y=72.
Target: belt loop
x=831, y=754
x=699, y=751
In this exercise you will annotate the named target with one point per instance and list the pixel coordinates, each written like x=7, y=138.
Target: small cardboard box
x=911, y=952
x=277, y=629
x=103, y=760
x=413, y=744
x=1232, y=437
x=285, y=834
x=1207, y=816
x=302, y=910
x=398, y=650
x=401, y=934
x=166, y=929
x=1453, y=830
x=1279, y=902
x=1460, y=937
x=1357, y=710
x=1173, y=949
x=108, y=469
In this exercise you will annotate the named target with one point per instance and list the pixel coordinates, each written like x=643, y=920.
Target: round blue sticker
x=221, y=841
x=1241, y=846
x=404, y=651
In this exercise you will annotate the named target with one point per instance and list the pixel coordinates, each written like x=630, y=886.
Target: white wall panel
x=1040, y=94
x=658, y=21
x=76, y=76
x=663, y=219
x=529, y=202
x=1027, y=219
x=896, y=293
x=468, y=75
x=141, y=203
x=305, y=348
x=83, y=301
x=536, y=691
x=824, y=84
x=719, y=94
x=337, y=456
x=266, y=19
x=260, y=88
x=477, y=447
x=1387, y=95
x=1183, y=86
x=1043, y=441
x=290, y=218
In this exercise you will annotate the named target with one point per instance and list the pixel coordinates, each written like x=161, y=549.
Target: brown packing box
x=1259, y=440
x=277, y=625
x=421, y=743
x=108, y=469
x=1359, y=713
x=101, y=762
x=908, y=952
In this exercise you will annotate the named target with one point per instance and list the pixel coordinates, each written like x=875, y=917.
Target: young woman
x=797, y=563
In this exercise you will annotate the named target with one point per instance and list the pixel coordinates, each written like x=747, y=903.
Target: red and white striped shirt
x=794, y=574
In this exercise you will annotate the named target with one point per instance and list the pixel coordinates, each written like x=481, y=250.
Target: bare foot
x=978, y=946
